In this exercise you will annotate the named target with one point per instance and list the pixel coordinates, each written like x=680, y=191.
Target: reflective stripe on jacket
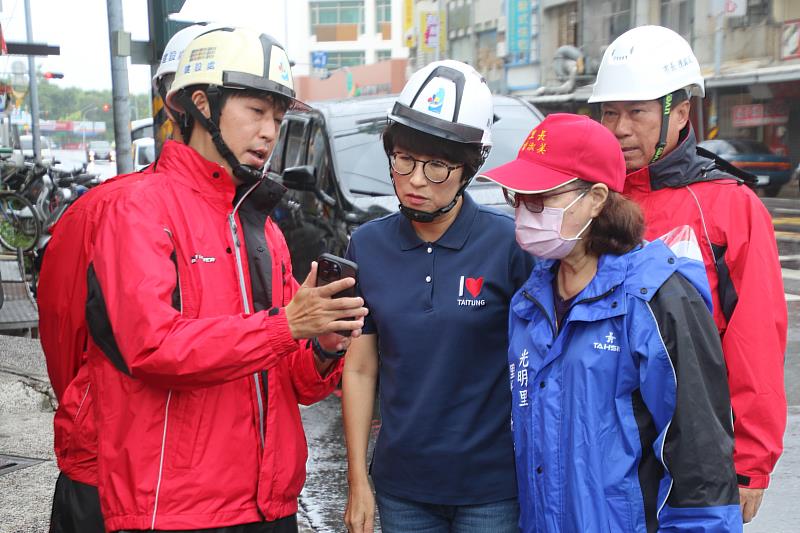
x=196, y=389
x=621, y=414
x=741, y=257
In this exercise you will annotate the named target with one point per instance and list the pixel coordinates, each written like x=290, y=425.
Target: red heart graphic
x=474, y=286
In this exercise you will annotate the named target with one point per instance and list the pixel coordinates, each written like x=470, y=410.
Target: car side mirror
x=303, y=178
x=300, y=178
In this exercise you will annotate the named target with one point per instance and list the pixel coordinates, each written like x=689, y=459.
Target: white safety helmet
x=447, y=99
x=173, y=53
x=647, y=63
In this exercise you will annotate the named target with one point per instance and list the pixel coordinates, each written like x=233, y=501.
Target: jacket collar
x=681, y=167
x=455, y=236
x=186, y=165
x=599, y=299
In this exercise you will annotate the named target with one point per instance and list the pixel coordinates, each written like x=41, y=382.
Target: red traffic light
x=53, y=75
x=106, y=107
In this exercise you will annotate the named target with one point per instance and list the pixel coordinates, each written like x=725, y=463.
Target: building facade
x=324, y=36
x=750, y=57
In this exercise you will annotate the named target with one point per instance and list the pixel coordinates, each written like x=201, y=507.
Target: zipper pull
x=234, y=230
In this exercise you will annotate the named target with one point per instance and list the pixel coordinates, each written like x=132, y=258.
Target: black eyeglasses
x=533, y=202
x=434, y=170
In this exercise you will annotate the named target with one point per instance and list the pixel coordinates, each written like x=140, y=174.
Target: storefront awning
x=581, y=94
x=753, y=76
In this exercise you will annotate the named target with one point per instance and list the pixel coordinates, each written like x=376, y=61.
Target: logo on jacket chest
x=198, y=258
x=473, y=287
x=608, y=344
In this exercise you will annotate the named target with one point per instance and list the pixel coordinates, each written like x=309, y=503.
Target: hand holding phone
x=314, y=311
x=332, y=268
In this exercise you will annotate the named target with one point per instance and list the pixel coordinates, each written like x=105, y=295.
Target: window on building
x=678, y=15
x=383, y=18
x=383, y=55
x=337, y=20
x=344, y=59
x=567, y=23
x=757, y=11
x=617, y=18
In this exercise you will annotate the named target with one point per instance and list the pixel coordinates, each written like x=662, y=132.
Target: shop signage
x=790, y=40
x=751, y=115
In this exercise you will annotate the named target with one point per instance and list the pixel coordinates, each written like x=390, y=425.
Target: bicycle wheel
x=19, y=227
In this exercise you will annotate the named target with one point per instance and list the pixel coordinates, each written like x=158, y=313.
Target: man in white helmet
x=202, y=345
x=64, y=333
x=644, y=84
x=438, y=277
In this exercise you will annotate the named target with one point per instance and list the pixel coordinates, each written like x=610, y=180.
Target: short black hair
x=400, y=136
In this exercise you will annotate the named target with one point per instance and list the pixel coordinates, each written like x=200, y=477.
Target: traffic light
x=53, y=75
x=106, y=107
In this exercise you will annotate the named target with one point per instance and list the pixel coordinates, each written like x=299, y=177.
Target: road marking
x=790, y=274
x=783, y=258
x=786, y=220
x=792, y=297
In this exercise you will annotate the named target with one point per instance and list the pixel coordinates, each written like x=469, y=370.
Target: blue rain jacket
x=621, y=415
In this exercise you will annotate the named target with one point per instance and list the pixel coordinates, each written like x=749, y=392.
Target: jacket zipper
x=541, y=308
x=243, y=288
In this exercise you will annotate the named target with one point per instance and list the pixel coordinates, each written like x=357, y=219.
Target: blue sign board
x=519, y=30
x=319, y=59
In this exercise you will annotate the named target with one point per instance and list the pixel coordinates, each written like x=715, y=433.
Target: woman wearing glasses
x=620, y=407
x=438, y=278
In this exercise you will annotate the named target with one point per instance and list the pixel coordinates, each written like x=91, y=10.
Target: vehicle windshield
x=360, y=159
x=99, y=145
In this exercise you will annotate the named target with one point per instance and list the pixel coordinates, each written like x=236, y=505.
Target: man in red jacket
x=64, y=334
x=644, y=84
x=202, y=344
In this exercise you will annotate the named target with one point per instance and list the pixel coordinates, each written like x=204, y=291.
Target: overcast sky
x=80, y=27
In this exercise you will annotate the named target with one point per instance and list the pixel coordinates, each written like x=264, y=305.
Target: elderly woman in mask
x=620, y=408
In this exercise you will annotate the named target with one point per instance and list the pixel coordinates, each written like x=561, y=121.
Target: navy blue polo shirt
x=440, y=311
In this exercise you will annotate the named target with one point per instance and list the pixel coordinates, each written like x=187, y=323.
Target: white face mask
x=539, y=234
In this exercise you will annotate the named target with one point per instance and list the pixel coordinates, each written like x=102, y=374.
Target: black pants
x=287, y=524
x=76, y=508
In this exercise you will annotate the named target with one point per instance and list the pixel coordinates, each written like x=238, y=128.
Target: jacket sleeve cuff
x=280, y=336
x=753, y=482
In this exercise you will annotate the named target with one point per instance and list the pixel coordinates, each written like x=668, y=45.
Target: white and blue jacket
x=621, y=415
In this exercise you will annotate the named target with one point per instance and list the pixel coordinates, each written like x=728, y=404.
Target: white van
x=26, y=148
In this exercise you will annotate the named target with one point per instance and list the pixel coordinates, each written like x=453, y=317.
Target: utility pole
x=34, y=90
x=119, y=85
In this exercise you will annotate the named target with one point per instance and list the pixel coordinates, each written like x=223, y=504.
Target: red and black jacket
x=741, y=258
x=195, y=374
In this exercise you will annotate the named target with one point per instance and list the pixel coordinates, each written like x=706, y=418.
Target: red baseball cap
x=563, y=148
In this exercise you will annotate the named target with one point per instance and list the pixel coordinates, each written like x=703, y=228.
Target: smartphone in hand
x=331, y=268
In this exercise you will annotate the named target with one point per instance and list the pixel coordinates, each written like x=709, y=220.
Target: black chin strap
x=666, y=109
x=245, y=173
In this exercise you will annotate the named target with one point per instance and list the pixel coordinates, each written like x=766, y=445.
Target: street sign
x=319, y=59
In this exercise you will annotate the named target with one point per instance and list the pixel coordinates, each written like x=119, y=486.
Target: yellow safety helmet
x=229, y=59
x=236, y=58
